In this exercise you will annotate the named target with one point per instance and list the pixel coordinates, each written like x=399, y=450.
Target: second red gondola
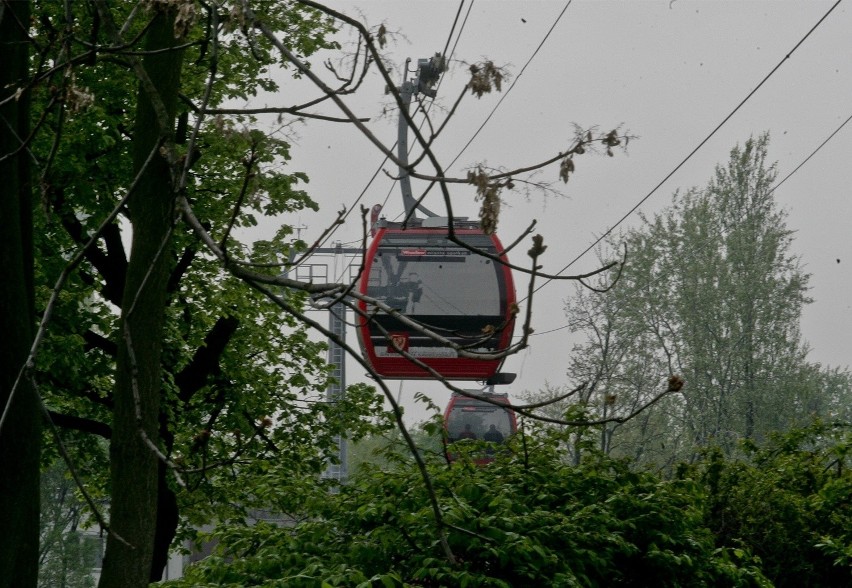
x=471, y=418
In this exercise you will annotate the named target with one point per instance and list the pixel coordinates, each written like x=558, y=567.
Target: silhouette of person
x=493, y=435
x=404, y=294
x=467, y=433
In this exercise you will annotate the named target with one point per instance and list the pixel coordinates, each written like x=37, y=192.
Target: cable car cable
x=512, y=85
x=382, y=164
x=437, y=87
x=453, y=28
x=426, y=110
x=695, y=150
x=503, y=96
x=814, y=152
x=771, y=190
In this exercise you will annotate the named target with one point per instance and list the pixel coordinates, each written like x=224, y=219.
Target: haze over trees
x=67, y=551
x=174, y=369
x=712, y=291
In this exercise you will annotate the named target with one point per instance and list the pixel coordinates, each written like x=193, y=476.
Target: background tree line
x=713, y=291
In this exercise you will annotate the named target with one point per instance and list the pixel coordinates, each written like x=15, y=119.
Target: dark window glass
x=430, y=276
x=475, y=417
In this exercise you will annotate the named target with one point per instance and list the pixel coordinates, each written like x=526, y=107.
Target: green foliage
x=713, y=292
x=389, y=449
x=777, y=516
x=242, y=385
x=787, y=503
x=522, y=520
x=242, y=409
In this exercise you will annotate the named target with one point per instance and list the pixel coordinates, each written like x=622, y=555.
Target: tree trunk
x=20, y=436
x=166, y=525
x=133, y=464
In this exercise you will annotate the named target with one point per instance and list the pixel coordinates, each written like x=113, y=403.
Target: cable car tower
x=318, y=273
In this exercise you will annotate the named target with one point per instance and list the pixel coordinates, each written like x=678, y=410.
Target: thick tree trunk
x=134, y=464
x=20, y=436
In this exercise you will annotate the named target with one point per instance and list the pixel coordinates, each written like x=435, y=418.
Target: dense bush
x=789, y=503
x=526, y=519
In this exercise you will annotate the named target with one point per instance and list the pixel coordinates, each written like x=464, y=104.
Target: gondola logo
x=399, y=342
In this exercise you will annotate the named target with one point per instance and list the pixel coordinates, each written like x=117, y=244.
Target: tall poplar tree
x=712, y=291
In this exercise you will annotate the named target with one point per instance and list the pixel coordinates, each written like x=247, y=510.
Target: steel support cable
x=448, y=58
x=694, y=151
x=512, y=85
x=814, y=152
x=384, y=161
x=461, y=30
x=437, y=87
x=771, y=190
x=506, y=93
x=453, y=28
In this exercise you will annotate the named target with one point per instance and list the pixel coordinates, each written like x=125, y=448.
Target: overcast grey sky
x=667, y=72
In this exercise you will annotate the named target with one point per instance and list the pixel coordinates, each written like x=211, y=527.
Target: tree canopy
x=172, y=362
x=712, y=291
x=532, y=518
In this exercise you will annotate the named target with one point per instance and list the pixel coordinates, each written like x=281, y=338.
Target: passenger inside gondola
x=493, y=435
x=405, y=294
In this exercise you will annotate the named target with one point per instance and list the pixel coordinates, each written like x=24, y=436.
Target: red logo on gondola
x=399, y=341
x=413, y=252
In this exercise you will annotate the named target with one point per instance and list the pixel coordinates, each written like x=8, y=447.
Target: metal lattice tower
x=337, y=388
x=318, y=273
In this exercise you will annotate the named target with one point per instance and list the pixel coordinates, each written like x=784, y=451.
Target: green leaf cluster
x=243, y=414
x=788, y=503
x=525, y=519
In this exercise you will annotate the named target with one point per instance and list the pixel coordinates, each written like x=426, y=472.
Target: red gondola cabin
x=465, y=297
x=477, y=420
